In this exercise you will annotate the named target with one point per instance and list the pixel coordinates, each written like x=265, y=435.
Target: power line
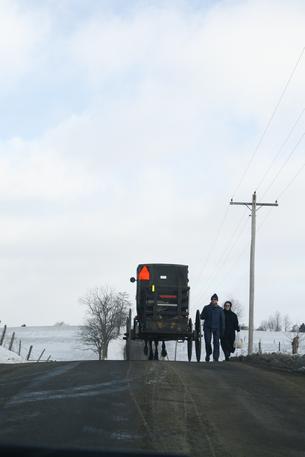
x=223, y=252
x=299, y=171
x=284, y=164
x=281, y=148
x=284, y=190
x=233, y=263
x=270, y=121
x=228, y=250
x=292, y=180
x=224, y=255
x=281, y=194
x=212, y=245
x=268, y=214
x=252, y=157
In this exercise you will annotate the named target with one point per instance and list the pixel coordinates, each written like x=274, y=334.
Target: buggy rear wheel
x=190, y=340
x=128, y=336
x=197, y=336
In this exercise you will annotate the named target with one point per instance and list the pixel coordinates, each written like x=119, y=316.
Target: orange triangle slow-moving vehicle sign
x=144, y=274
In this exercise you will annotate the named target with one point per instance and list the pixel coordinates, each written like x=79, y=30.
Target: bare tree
x=286, y=323
x=295, y=328
x=106, y=313
x=275, y=322
x=271, y=323
x=278, y=321
x=302, y=328
x=264, y=325
x=237, y=307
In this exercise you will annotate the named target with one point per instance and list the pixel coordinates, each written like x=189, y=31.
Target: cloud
x=176, y=99
x=34, y=170
x=237, y=48
x=22, y=33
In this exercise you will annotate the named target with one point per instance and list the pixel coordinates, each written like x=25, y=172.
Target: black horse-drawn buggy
x=162, y=300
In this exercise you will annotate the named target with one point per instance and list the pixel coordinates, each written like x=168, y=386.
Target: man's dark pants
x=208, y=332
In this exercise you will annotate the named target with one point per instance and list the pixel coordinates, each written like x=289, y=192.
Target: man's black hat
x=214, y=297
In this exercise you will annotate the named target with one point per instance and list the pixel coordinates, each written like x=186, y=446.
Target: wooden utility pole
x=253, y=206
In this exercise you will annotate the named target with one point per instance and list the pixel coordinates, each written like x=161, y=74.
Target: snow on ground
x=277, y=361
x=269, y=341
x=7, y=356
x=60, y=342
x=63, y=343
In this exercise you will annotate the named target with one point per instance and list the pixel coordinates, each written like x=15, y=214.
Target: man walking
x=214, y=324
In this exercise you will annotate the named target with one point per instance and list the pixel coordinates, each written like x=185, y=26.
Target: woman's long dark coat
x=231, y=325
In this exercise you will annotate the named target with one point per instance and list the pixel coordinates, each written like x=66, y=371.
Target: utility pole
x=253, y=206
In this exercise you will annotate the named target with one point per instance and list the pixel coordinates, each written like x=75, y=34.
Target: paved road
x=224, y=409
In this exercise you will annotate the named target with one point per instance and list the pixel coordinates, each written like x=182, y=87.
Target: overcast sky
x=125, y=129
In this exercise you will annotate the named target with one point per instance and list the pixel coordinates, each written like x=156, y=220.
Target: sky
x=125, y=129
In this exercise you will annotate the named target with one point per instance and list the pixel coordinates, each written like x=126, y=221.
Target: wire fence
x=283, y=343
x=26, y=352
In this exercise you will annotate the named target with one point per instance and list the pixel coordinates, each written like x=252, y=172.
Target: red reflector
x=168, y=296
x=144, y=274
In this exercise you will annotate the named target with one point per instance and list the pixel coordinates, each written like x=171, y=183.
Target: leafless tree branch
x=106, y=313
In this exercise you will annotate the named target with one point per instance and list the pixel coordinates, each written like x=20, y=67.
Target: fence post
x=3, y=335
x=176, y=351
x=19, y=350
x=11, y=342
x=279, y=346
x=295, y=344
x=38, y=360
x=29, y=353
x=259, y=347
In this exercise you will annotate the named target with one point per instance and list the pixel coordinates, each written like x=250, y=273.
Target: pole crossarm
x=267, y=204
x=240, y=203
x=249, y=204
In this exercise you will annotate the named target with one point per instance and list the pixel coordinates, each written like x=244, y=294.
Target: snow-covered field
x=60, y=343
x=63, y=343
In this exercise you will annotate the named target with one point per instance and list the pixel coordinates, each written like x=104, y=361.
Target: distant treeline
x=278, y=323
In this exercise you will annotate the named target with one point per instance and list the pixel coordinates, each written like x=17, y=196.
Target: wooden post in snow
x=41, y=355
x=11, y=342
x=29, y=353
x=295, y=344
x=260, y=347
x=3, y=335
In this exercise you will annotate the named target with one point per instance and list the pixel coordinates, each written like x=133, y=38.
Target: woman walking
x=231, y=325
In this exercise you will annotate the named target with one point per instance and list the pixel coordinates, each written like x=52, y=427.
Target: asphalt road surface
x=200, y=409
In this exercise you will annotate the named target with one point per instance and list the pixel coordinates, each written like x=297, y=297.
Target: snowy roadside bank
x=276, y=361
x=7, y=356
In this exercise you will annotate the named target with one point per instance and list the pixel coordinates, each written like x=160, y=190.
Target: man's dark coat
x=214, y=319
